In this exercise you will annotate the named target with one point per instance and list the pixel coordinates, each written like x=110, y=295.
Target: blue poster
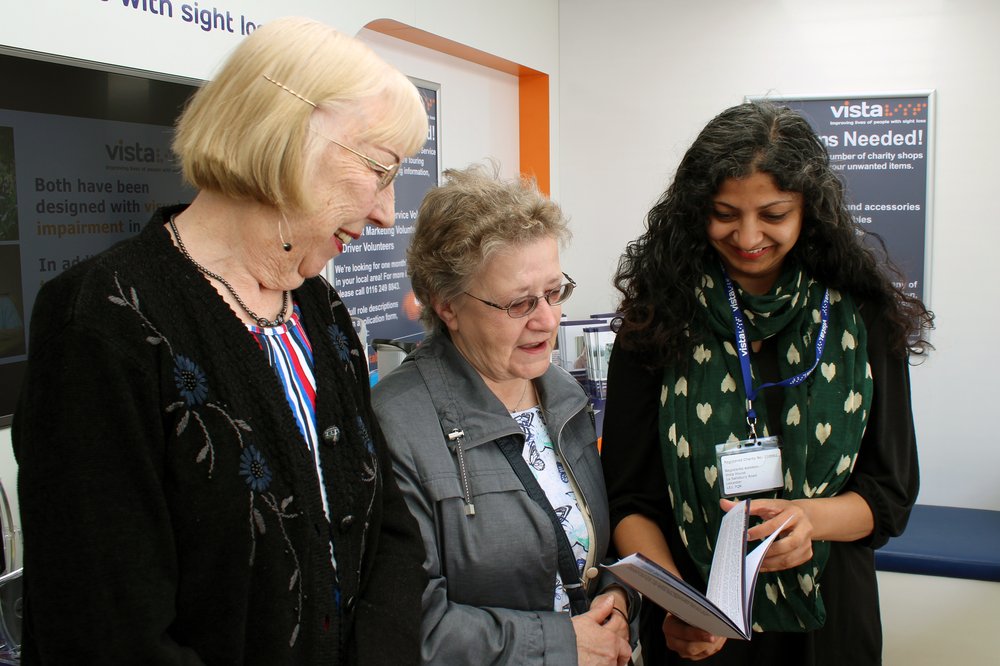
x=880, y=146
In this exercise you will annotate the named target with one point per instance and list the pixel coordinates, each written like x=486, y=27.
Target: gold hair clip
x=290, y=91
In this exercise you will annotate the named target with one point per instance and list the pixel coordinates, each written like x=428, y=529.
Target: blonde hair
x=245, y=134
x=473, y=216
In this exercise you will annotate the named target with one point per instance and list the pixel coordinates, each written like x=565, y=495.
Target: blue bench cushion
x=946, y=541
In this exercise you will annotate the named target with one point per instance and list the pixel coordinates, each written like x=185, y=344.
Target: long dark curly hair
x=660, y=271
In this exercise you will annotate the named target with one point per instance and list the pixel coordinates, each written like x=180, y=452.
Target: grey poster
x=879, y=145
x=72, y=187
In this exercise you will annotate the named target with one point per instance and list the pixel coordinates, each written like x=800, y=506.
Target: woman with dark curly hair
x=763, y=354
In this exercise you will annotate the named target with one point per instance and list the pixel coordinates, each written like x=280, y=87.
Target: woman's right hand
x=690, y=642
x=597, y=645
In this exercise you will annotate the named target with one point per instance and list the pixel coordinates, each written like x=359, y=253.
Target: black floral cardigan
x=171, y=511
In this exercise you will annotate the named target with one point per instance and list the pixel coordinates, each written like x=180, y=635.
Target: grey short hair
x=474, y=215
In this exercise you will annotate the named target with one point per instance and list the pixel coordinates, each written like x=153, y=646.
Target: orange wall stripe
x=533, y=94
x=533, y=102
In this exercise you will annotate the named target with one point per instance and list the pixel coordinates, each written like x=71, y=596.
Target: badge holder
x=751, y=465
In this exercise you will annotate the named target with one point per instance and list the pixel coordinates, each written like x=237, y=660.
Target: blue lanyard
x=743, y=351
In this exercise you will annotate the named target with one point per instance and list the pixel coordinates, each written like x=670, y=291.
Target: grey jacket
x=492, y=573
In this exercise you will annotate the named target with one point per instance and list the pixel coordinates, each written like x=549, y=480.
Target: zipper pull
x=456, y=436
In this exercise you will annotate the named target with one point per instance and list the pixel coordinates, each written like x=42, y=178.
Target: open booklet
x=724, y=610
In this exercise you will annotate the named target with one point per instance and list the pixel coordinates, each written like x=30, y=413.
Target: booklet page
x=726, y=586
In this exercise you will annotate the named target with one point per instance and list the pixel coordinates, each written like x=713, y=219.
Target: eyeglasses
x=524, y=306
x=386, y=174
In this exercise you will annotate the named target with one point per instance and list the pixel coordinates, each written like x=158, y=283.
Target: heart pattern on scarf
x=793, y=355
x=823, y=431
x=728, y=384
x=711, y=474
x=853, y=402
x=701, y=354
x=828, y=370
x=704, y=411
x=794, y=416
x=806, y=583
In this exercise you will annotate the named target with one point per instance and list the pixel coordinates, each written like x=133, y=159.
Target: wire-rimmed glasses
x=386, y=173
x=524, y=306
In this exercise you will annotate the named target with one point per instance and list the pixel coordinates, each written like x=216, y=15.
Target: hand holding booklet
x=725, y=608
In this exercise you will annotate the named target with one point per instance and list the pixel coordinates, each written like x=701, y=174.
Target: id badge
x=749, y=466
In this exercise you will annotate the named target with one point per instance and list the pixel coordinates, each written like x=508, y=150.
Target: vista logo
x=132, y=152
x=862, y=110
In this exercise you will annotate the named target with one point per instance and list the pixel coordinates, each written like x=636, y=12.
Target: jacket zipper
x=582, y=503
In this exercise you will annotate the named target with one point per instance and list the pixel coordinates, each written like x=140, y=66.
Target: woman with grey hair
x=202, y=480
x=494, y=447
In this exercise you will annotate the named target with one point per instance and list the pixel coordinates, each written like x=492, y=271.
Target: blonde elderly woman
x=494, y=448
x=201, y=477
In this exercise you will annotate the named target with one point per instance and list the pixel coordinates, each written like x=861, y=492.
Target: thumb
x=726, y=504
x=602, y=607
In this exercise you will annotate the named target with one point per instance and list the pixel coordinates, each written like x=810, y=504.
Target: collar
x=463, y=401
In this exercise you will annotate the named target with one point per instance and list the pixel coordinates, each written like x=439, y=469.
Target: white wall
x=468, y=91
x=525, y=32
x=475, y=99
x=931, y=620
x=639, y=79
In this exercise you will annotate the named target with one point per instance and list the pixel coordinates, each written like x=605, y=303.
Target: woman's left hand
x=794, y=545
x=617, y=621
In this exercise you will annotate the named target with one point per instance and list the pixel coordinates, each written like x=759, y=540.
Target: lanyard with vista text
x=743, y=352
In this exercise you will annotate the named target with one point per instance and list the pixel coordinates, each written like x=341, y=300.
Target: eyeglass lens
x=387, y=176
x=522, y=307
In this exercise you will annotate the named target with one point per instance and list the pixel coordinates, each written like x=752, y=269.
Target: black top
x=886, y=476
x=172, y=513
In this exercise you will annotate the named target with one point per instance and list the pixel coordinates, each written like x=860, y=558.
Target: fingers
x=617, y=624
x=781, y=556
x=690, y=642
x=794, y=545
x=601, y=608
x=677, y=629
x=775, y=513
x=727, y=504
x=624, y=652
x=617, y=617
x=596, y=644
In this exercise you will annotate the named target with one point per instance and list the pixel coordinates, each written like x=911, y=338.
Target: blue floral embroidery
x=365, y=437
x=193, y=408
x=254, y=469
x=340, y=342
x=190, y=380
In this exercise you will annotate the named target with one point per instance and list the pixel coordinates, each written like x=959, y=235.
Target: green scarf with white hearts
x=822, y=421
